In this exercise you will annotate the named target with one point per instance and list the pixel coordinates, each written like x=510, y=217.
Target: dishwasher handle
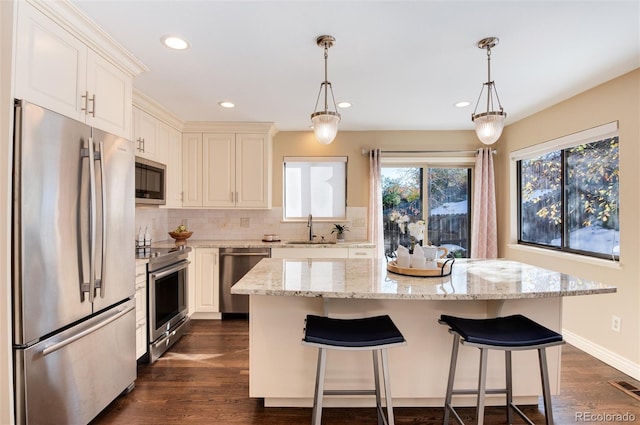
x=245, y=254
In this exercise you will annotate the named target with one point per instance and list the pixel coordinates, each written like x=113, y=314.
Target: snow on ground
x=595, y=239
x=450, y=208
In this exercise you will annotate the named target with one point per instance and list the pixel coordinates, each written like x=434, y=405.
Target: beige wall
x=351, y=143
x=589, y=317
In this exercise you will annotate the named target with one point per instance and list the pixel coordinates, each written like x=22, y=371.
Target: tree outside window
x=569, y=199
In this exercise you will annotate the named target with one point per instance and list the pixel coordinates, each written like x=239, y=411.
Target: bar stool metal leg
x=319, y=392
x=376, y=377
x=546, y=391
x=452, y=375
x=509, y=385
x=387, y=386
x=482, y=386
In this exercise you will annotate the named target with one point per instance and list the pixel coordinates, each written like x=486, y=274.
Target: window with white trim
x=568, y=193
x=316, y=186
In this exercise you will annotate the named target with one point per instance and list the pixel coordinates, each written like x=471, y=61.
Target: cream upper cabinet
x=170, y=141
x=219, y=175
x=253, y=171
x=145, y=135
x=192, y=169
x=227, y=169
x=57, y=70
x=109, y=95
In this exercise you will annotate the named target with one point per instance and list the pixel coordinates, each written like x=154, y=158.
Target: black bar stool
x=371, y=333
x=508, y=334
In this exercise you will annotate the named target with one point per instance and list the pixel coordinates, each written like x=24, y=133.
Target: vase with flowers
x=416, y=232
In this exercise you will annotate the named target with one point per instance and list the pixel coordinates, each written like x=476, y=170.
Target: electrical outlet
x=616, y=322
x=245, y=222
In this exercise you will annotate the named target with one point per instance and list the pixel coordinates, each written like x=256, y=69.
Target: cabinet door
x=145, y=133
x=219, y=176
x=206, y=286
x=50, y=64
x=141, y=310
x=192, y=169
x=253, y=178
x=173, y=160
x=109, y=96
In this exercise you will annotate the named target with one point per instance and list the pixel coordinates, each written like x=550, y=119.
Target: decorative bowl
x=180, y=237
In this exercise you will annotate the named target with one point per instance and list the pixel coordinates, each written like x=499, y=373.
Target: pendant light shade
x=325, y=126
x=489, y=124
x=325, y=122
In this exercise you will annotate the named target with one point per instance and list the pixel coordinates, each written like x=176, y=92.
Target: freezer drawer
x=71, y=377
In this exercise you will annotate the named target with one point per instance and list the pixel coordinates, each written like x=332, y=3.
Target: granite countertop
x=219, y=243
x=369, y=279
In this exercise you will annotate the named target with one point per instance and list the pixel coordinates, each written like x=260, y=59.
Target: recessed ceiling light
x=463, y=104
x=344, y=105
x=175, y=42
x=227, y=104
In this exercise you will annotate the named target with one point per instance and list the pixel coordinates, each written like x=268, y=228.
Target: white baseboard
x=612, y=359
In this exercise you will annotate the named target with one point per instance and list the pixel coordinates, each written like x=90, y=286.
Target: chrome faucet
x=310, y=226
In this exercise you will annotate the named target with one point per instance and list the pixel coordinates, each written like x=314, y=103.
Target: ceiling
x=402, y=64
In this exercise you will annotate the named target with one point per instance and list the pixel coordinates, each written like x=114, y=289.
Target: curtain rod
x=366, y=151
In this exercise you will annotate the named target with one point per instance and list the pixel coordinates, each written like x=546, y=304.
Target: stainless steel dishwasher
x=235, y=263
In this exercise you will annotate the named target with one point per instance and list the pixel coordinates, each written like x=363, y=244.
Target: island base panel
x=282, y=370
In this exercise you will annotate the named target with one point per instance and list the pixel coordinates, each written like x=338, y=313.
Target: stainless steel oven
x=168, y=317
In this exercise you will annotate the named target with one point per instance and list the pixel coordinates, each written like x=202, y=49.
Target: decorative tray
x=444, y=269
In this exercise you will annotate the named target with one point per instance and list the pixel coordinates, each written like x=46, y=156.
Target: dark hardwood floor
x=203, y=379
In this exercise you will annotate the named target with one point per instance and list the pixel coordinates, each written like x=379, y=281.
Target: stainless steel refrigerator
x=73, y=268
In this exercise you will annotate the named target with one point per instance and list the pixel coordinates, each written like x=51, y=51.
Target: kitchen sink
x=317, y=242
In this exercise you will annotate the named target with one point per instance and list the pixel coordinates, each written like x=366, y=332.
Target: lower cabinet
x=141, y=309
x=204, y=284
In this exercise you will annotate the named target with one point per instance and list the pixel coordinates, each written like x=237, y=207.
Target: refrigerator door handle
x=92, y=222
x=103, y=192
x=55, y=347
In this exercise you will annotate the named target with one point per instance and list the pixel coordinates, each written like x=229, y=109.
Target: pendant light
x=489, y=124
x=325, y=122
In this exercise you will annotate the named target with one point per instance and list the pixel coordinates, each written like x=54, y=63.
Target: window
x=442, y=191
x=315, y=185
x=568, y=198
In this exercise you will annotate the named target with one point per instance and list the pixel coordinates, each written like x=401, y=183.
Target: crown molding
x=155, y=109
x=74, y=21
x=230, y=127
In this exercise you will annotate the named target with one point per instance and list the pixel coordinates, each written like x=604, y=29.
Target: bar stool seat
x=371, y=333
x=508, y=334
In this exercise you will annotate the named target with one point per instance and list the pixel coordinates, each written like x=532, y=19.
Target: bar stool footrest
x=475, y=392
x=349, y=392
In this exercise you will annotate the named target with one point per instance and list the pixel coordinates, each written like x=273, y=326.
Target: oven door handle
x=165, y=272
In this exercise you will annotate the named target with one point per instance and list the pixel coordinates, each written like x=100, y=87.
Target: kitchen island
x=283, y=291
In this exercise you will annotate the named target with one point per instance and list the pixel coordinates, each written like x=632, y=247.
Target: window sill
x=566, y=256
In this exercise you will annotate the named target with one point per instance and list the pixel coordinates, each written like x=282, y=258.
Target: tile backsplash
x=242, y=224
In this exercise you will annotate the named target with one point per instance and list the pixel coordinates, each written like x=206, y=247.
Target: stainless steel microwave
x=150, y=182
